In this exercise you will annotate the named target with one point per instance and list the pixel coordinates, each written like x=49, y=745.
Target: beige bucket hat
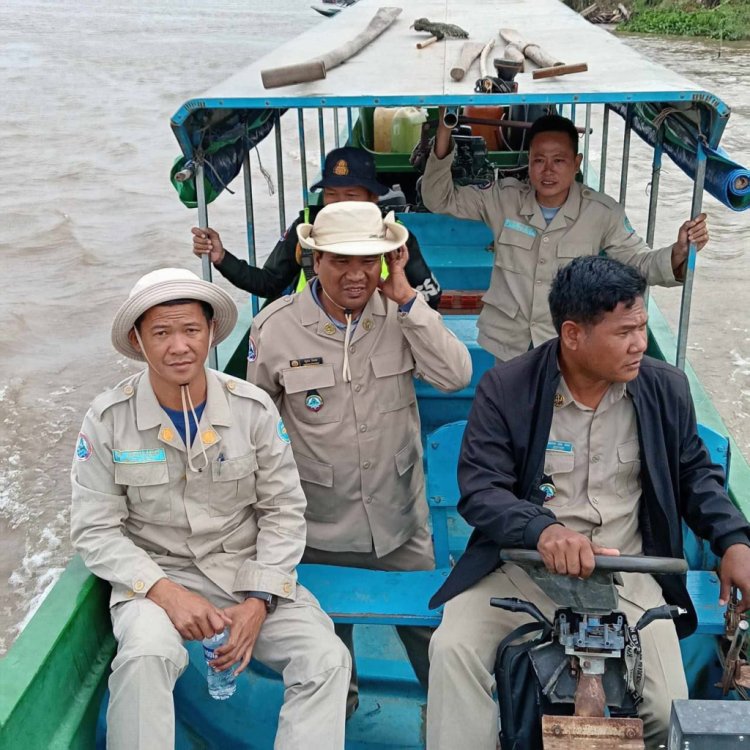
x=165, y=285
x=353, y=228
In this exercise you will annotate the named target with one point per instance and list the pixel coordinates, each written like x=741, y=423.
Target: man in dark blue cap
x=348, y=175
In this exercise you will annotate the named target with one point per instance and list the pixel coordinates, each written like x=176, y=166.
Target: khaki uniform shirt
x=139, y=511
x=357, y=445
x=528, y=252
x=593, y=460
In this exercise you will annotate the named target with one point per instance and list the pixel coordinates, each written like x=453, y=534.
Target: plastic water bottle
x=221, y=685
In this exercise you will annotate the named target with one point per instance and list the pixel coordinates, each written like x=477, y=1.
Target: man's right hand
x=207, y=241
x=194, y=617
x=569, y=553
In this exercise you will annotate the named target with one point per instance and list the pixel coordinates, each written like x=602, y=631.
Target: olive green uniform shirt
x=528, y=252
x=593, y=460
x=357, y=444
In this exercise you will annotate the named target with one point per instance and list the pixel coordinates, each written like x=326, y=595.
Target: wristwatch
x=269, y=599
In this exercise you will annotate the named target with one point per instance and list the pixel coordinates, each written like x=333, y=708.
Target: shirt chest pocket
x=514, y=249
x=559, y=465
x=147, y=485
x=628, y=479
x=232, y=484
x=394, y=379
x=309, y=393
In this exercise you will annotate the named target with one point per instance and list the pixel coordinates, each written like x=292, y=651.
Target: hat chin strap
x=186, y=401
x=346, y=372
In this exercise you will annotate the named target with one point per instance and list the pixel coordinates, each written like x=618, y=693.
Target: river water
x=88, y=89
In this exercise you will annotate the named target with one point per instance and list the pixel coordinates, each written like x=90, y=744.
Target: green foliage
x=728, y=20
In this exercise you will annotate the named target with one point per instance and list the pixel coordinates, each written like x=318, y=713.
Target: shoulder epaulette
x=243, y=388
x=594, y=195
x=275, y=306
x=121, y=392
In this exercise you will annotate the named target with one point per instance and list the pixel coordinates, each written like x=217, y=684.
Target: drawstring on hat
x=346, y=372
x=186, y=401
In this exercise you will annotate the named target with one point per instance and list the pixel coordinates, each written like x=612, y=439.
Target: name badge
x=558, y=446
x=305, y=361
x=519, y=227
x=156, y=455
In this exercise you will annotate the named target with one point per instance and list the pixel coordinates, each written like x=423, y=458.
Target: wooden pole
x=469, y=52
x=533, y=51
x=427, y=42
x=559, y=70
x=317, y=68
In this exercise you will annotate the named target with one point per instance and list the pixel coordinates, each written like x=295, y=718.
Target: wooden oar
x=469, y=52
x=317, y=68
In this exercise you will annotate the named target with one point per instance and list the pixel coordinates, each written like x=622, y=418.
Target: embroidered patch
x=558, y=446
x=281, y=432
x=83, y=448
x=628, y=226
x=314, y=401
x=519, y=227
x=559, y=399
x=548, y=489
x=148, y=456
x=252, y=350
x=341, y=168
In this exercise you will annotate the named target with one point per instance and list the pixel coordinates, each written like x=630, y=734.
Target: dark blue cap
x=350, y=167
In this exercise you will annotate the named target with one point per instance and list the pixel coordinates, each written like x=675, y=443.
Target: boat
x=53, y=678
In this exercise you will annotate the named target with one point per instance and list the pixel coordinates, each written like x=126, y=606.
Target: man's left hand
x=247, y=619
x=735, y=571
x=695, y=231
x=397, y=286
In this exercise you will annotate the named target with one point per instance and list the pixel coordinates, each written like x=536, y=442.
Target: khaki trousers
x=415, y=554
x=461, y=709
x=297, y=640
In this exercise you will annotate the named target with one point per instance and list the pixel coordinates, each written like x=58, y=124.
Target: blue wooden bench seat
x=355, y=595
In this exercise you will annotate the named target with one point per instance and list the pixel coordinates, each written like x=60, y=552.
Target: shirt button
x=231, y=385
x=139, y=586
x=366, y=465
x=130, y=594
x=287, y=588
x=368, y=499
x=358, y=387
x=545, y=239
x=595, y=500
x=128, y=390
x=542, y=261
x=594, y=459
x=363, y=428
x=352, y=349
x=538, y=282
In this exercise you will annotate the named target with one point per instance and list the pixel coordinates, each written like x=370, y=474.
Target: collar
x=613, y=394
x=569, y=210
x=311, y=313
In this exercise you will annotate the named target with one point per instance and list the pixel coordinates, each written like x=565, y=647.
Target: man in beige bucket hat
x=339, y=360
x=187, y=501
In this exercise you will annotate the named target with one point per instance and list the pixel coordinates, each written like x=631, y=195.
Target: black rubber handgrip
x=614, y=563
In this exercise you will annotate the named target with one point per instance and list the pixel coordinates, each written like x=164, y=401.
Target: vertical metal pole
x=280, y=174
x=572, y=112
x=626, y=154
x=250, y=222
x=349, y=124
x=605, y=143
x=322, y=138
x=336, y=134
x=687, y=289
x=302, y=155
x=653, y=198
x=586, y=143
x=200, y=192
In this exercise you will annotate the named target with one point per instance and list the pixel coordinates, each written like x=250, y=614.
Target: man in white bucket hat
x=339, y=359
x=187, y=501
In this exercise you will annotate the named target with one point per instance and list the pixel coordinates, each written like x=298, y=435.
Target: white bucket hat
x=165, y=285
x=353, y=228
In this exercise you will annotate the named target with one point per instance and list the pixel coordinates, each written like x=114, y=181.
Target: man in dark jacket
x=348, y=175
x=579, y=447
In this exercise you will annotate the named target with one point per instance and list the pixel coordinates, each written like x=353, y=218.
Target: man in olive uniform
x=187, y=501
x=348, y=175
x=611, y=461
x=339, y=359
x=540, y=226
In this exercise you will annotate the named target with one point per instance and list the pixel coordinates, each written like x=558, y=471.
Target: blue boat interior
x=392, y=703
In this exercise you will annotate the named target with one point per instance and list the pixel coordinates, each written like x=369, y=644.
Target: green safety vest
x=302, y=281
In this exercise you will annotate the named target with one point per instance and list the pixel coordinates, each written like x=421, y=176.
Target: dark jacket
x=502, y=461
x=281, y=269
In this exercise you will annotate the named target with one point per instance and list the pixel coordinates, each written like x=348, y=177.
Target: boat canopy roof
x=391, y=71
